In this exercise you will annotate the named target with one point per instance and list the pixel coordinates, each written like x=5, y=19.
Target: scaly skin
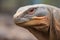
x=41, y=20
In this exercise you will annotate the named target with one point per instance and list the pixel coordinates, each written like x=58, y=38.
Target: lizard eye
x=31, y=11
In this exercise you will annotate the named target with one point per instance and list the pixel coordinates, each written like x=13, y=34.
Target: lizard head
x=37, y=19
x=32, y=15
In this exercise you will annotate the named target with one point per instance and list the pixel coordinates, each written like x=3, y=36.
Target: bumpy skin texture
x=42, y=20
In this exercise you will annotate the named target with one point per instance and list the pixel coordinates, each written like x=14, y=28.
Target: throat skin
x=39, y=34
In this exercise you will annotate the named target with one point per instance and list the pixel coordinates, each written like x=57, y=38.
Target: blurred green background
x=11, y=6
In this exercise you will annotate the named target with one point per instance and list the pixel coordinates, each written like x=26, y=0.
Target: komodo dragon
x=42, y=20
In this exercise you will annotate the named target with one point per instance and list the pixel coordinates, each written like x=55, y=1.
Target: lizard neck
x=38, y=34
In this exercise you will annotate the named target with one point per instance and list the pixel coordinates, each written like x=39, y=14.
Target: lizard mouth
x=34, y=24
x=38, y=24
x=35, y=21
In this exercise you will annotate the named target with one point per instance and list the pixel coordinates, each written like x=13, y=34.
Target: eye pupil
x=32, y=10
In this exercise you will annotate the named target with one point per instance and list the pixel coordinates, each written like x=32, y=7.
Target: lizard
x=42, y=20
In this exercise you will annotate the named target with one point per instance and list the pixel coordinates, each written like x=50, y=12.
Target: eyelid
x=32, y=8
x=28, y=11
